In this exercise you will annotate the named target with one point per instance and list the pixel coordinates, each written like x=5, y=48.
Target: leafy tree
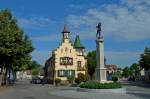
x=117, y=74
x=15, y=46
x=127, y=72
x=145, y=59
x=35, y=71
x=91, y=63
x=134, y=68
x=33, y=65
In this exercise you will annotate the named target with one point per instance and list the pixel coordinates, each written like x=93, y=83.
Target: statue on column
x=98, y=35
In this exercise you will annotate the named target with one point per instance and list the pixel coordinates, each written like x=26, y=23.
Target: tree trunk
x=0, y=79
x=2, y=76
x=9, y=71
x=5, y=76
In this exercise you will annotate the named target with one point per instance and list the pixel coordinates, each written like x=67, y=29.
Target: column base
x=101, y=74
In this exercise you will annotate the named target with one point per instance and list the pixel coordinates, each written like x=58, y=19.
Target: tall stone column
x=100, y=68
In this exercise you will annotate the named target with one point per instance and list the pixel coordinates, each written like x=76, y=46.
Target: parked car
x=36, y=80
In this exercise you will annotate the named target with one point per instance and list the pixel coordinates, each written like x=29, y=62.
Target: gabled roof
x=77, y=43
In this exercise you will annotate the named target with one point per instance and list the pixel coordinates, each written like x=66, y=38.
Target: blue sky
x=125, y=25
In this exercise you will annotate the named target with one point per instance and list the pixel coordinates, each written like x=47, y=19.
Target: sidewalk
x=5, y=88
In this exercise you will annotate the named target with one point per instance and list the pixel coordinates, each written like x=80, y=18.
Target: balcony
x=80, y=68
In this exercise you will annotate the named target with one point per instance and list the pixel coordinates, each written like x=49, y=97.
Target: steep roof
x=65, y=29
x=77, y=43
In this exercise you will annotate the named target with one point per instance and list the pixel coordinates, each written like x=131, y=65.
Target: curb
x=117, y=91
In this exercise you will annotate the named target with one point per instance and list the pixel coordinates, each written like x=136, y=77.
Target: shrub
x=64, y=83
x=57, y=81
x=78, y=80
x=81, y=78
x=115, y=79
x=70, y=79
x=97, y=85
x=50, y=80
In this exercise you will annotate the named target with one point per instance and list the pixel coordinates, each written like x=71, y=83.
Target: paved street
x=24, y=90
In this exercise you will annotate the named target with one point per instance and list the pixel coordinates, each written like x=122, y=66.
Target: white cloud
x=127, y=21
x=35, y=21
x=47, y=37
x=122, y=58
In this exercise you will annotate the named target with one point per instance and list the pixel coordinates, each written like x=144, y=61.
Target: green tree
x=33, y=65
x=35, y=71
x=134, y=69
x=145, y=59
x=127, y=72
x=15, y=46
x=117, y=74
x=91, y=63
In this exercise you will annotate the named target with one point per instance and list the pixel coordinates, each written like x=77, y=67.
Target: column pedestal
x=101, y=74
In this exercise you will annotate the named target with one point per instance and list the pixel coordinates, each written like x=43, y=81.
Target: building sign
x=66, y=61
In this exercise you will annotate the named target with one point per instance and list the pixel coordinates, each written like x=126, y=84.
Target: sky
x=125, y=25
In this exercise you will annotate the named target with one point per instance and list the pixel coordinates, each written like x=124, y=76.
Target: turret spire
x=65, y=29
x=77, y=43
x=65, y=33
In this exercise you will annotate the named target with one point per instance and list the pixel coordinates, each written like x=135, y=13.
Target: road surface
x=25, y=90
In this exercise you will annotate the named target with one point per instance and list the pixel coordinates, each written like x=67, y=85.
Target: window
x=70, y=50
x=66, y=35
x=79, y=63
x=66, y=73
x=69, y=72
x=61, y=72
x=66, y=49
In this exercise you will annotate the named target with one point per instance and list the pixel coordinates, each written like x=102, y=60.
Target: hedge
x=97, y=85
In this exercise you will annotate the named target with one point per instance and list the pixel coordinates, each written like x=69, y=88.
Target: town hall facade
x=68, y=59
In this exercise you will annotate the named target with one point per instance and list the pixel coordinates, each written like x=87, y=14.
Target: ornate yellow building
x=66, y=60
